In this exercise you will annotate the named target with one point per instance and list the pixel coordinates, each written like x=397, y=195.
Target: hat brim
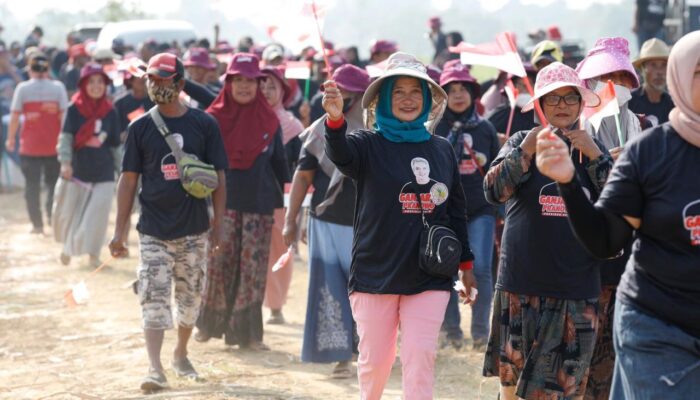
x=160, y=74
x=590, y=99
x=108, y=80
x=247, y=75
x=373, y=87
x=198, y=64
x=601, y=64
x=473, y=83
x=638, y=62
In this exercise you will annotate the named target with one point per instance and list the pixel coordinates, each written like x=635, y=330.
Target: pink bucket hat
x=607, y=55
x=198, y=57
x=557, y=75
x=455, y=71
x=246, y=64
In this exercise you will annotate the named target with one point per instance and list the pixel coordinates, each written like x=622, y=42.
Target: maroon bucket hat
x=198, y=57
x=246, y=64
x=455, y=71
x=91, y=69
x=351, y=78
x=278, y=73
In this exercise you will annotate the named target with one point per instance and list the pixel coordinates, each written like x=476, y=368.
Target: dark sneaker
x=276, y=318
x=155, y=381
x=183, y=368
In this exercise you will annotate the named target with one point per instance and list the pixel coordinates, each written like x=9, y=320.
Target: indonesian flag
x=297, y=70
x=376, y=70
x=608, y=106
x=511, y=92
x=501, y=54
x=297, y=28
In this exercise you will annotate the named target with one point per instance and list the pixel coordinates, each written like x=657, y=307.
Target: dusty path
x=95, y=351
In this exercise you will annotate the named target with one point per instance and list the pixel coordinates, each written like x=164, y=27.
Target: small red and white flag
x=511, y=92
x=297, y=70
x=501, y=54
x=608, y=106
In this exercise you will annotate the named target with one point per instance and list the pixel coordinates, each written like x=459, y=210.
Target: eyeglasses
x=569, y=99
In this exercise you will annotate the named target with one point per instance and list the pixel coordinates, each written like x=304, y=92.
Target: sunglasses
x=569, y=99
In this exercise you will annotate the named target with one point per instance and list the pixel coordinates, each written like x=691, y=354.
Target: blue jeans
x=481, y=231
x=655, y=360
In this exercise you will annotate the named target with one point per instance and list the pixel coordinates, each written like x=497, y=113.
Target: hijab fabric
x=92, y=110
x=397, y=131
x=681, y=68
x=246, y=129
x=291, y=127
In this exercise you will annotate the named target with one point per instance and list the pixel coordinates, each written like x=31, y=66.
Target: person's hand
x=553, y=159
x=582, y=141
x=289, y=233
x=217, y=237
x=469, y=282
x=615, y=152
x=66, y=171
x=529, y=144
x=332, y=100
x=117, y=247
x=10, y=144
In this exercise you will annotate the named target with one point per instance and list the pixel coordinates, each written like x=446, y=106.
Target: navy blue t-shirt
x=656, y=180
x=129, y=108
x=540, y=256
x=482, y=140
x=167, y=210
x=640, y=104
x=259, y=189
x=94, y=162
x=387, y=226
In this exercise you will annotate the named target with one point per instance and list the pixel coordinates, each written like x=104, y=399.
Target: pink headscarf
x=681, y=68
x=291, y=126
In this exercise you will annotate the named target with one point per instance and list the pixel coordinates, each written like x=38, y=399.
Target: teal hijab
x=397, y=131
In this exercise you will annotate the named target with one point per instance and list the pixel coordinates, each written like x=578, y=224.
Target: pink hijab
x=291, y=126
x=681, y=68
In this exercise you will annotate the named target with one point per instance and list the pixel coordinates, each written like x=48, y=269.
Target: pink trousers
x=278, y=282
x=379, y=318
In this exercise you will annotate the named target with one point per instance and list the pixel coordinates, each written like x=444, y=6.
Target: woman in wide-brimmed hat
x=652, y=198
x=399, y=168
x=546, y=300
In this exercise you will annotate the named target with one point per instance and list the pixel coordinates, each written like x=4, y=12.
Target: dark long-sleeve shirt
x=387, y=222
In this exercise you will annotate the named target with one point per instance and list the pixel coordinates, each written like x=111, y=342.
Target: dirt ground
x=96, y=350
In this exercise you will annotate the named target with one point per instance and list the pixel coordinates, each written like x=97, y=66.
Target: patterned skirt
x=541, y=345
x=235, y=286
x=603, y=360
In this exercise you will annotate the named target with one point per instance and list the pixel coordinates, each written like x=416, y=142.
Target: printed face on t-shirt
x=421, y=169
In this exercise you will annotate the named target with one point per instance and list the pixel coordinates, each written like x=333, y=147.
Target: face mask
x=522, y=99
x=163, y=94
x=622, y=93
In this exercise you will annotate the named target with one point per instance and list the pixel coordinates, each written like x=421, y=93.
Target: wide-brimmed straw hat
x=557, y=75
x=404, y=64
x=652, y=49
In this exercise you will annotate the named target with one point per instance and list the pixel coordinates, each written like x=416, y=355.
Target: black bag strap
x=413, y=189
x=165, y=132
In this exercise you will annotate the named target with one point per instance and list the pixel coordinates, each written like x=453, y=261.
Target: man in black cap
x=173, y=225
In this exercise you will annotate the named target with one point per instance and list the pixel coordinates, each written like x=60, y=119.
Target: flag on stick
x=500, y=54
x=608, y=107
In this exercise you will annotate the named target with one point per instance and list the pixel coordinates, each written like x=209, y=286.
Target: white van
x=136, y=32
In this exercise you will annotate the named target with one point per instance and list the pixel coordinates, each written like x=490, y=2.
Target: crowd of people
x=574, y=240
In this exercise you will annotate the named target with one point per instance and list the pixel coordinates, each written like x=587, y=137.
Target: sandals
x=342, y=371
x=154, y=381
x=183, y=368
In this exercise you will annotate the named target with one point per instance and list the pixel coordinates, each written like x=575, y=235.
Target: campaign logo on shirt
x=98, y=137
x=470, y=165
x=553, y=204
x=170, y=172
x=437, y=195
x=691, y=221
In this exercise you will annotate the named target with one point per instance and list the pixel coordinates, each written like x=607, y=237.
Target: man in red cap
x=42, y=101
x=173, y=225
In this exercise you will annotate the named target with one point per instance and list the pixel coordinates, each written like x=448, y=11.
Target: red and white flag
x=501, y=54
x=297, y=28
x=511, y=92
x=608, y=106
x=297, y=70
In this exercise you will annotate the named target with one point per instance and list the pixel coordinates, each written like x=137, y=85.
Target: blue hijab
x=397, y=131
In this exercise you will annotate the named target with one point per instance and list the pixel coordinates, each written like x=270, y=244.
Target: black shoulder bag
x=439, y=249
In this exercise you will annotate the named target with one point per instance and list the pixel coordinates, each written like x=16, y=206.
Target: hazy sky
x=27, y=9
